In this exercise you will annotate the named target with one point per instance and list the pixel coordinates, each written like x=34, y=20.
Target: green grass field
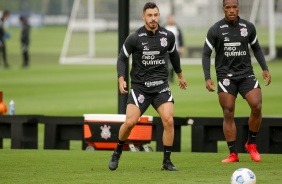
x=28, y=166
x=49, y=88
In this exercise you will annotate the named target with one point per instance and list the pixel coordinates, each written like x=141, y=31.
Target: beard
x=152, y=25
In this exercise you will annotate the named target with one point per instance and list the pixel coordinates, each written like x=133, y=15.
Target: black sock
x=232, y=147
x=167, y=152
x=119, y=146
x=252, y=137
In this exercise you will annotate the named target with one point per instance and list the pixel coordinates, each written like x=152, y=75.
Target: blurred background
x=190, y=13
x=81, y=32
x=100, y=16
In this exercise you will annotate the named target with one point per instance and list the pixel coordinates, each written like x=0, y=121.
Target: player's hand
x=210, y=85
x=266, y=74
x=122, y=85
x=182, y=83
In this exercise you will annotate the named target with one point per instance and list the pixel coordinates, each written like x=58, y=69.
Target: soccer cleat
x=113, y=163
x=252, y=149
x=233, y=157
x=168, y=165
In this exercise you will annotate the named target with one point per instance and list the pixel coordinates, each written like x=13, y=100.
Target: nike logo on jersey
x=145, y=43
x=225, y=33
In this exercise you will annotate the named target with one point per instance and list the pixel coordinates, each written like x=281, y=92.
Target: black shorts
x=242, y=86
x=143, y=100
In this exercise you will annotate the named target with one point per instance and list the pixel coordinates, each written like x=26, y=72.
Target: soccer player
x=25, y=40
x=3, y=37
x=149, y=80
x=230, y=38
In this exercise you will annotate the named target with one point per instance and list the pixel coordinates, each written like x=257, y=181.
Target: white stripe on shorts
x=134, y=98
x=256, y=85
x=222, y=87
x=170, y=98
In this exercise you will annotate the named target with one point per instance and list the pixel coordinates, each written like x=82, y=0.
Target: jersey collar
x=236, y=23
x=150, y=32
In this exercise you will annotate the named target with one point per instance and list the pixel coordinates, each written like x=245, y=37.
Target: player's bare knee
x=129, y=125
x=256, y=109
x=228, y=112
x=168, y=123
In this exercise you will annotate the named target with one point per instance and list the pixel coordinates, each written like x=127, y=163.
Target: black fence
x=206, y=131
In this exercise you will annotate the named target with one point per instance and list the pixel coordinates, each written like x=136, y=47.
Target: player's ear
x=143, y=16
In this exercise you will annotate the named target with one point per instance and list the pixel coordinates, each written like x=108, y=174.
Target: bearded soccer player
x=231, y=37
x=149, y=80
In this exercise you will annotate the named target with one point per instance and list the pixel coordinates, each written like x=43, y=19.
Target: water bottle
x=12, y=107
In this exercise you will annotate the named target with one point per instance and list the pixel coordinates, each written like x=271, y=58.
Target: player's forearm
x=175, y=61
x=121, y=79
x=259, y=56
x=179, y=75
x=206, y=64
x=121, y=66
x=261, y=60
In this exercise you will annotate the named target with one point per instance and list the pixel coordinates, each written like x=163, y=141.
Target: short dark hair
x=223, y=2
x=150, y=5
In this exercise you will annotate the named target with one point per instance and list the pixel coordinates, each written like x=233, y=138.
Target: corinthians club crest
x=226, y=82
x=244, y=32
x=163, y=41
x=105, y=132
x=141, y=98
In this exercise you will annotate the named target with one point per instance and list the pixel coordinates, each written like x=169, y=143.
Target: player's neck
x=232, y=21
x=152, y=30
